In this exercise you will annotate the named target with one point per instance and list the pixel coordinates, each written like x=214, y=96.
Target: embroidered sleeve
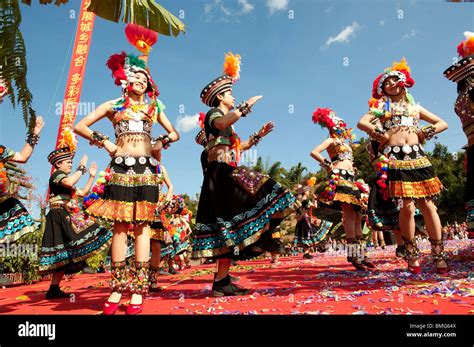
x=58, y=176
x=213, y=117
x=6, y=153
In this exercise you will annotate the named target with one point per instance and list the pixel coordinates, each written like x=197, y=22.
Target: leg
x=407, y=228
x=353, y=248
x=118, y=270
x=223, y=285
x=154, y=264
x=433, y=228
x=140, y=284
x=400, y=251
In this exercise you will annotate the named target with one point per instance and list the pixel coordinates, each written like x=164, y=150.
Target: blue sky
x=293, y=53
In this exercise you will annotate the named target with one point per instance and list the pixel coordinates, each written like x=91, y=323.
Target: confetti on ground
x=324, y=285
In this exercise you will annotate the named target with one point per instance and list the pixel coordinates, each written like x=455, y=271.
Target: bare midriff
x=134, y=145
x=402, y=136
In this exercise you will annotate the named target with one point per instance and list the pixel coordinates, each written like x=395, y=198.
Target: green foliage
x=451, y=204
x=13, y=66
x=26, y=265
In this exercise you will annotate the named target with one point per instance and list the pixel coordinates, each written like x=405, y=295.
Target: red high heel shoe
x=134, y=309
x=414, y=269
x=442, y=270
x=110, y=308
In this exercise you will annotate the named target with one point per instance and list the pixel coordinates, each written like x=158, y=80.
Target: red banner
x=77, y=68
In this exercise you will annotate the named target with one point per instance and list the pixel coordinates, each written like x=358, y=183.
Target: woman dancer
x=131, y=196
x=342, y=192
x=411, y=179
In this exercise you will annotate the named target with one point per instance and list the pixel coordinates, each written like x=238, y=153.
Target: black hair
x=216, y=101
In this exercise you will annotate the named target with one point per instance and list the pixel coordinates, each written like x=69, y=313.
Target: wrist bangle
x=429, y=131
x=244, y=108
x=378, y=133
x=255, y=138
x=82, y=169
x=32, y=139
x=165, y=140
x=326, y=164
x=98, y=139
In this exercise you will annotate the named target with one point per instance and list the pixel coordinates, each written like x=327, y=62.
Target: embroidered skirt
x=308, y=234
x=238, y=208
x=410, y=173
x=70, y=238
x=15, y=221
x=132, y=193
x=341, y=190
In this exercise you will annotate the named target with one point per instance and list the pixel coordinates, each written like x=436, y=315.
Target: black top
x=210, y=129
x=56, y=190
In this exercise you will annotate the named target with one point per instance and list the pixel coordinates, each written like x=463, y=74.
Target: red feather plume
x=116, y=63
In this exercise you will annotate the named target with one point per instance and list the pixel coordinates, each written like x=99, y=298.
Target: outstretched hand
x=266, y=129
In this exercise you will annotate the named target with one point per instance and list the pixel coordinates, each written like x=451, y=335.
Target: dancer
x=382, y=212
x=462, y=73
x=310, y=231
x=342, y=193
x=69, y=237
x=131, y=196
x=15, y=221
x=238, y=208
x=411, y=178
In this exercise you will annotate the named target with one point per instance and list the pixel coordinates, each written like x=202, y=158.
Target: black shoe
x=357, y=264
x=307, y=256
x=55, y=292
x=401, y=251
x=225, y=287
x=366, y=262
x=172, y=271
x=155, y=289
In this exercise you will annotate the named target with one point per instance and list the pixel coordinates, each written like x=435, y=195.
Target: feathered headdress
x=464, y=68
x=398, y=69
x=326, y=117
x=224, y=82
x=66, y=149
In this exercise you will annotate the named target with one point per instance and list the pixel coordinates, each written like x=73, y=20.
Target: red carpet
x=326, y=284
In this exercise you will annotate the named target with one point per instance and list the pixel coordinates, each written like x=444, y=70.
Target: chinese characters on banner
x=77, y=69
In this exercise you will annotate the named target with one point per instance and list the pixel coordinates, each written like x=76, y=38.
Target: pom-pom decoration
x=98, y=188
x=3, y=90
x=311, y=181
x=140, y=37
x=201, y=119
x=232, y=66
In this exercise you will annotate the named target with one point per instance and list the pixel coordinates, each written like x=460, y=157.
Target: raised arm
x=92, y=172
x=71, y=180
x=255, y=138
x=27, y=150
x=233, y=116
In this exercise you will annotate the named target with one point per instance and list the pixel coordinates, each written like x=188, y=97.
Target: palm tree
x=295, y=175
